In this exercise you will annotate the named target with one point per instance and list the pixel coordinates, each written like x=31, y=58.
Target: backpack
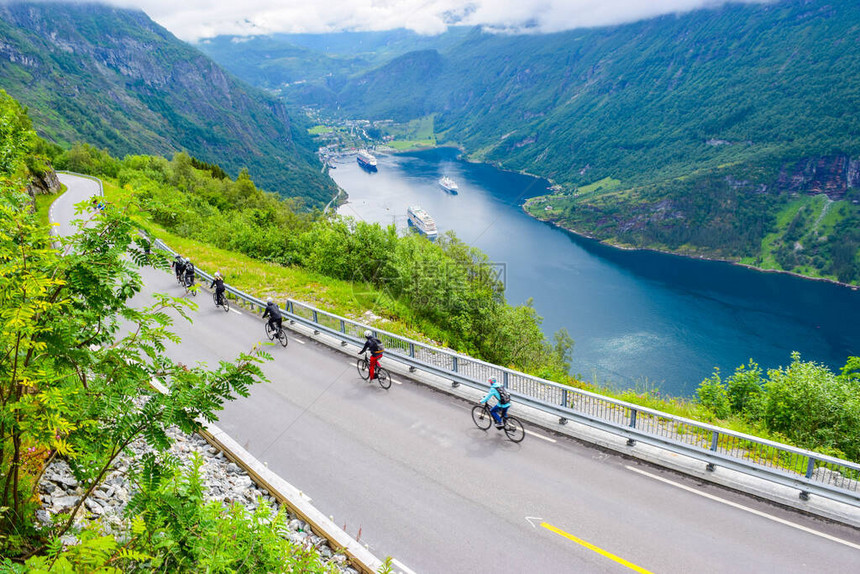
x=504, y=395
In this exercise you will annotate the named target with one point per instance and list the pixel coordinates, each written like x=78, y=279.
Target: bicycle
x=483, y=419
x=272, y=333
x=223, y=301
x=189, y=287
x=383, y=377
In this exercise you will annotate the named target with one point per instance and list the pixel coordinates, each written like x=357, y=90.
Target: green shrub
x=714, y=397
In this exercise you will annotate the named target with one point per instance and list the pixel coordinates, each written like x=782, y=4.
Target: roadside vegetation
x=445, y=290
x=75, y=384
x=440, y=293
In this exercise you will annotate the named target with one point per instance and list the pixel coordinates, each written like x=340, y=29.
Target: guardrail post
x=715, y=439
x=343, y=330
x=810, y=468
x=630, y=441
x=412, y=354
x=316, y=320
x=563, y=420
x=454, y=384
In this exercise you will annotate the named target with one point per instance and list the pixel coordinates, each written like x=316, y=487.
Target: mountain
x=278, y=61
x=113, y=78
x=729, y=132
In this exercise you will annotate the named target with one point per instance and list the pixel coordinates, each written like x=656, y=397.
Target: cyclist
x=273, y=313
x=503, y=401
x=218, y=284
x=178, y=265
x=189, y=273
x=376, y=348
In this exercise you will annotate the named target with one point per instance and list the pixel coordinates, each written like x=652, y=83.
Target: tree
x=78, y=360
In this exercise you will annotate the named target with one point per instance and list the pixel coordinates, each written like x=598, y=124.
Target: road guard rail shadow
x=710, y=448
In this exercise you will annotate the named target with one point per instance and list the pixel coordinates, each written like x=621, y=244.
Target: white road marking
x=396, y=382
x=235, y=311
x=746, y=509
x=546, y=438
x=299, y=341
x=530, y=518
x=401, y=566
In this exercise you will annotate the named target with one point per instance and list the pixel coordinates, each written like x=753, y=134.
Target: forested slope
x=115, y=79
x=727, y=132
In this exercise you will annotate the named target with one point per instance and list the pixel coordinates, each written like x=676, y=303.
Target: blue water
x=639, y=319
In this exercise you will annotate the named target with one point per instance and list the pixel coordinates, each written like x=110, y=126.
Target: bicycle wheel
x=215, y=299
x=270, y=332
x=514, y=429
x=384, y=378
x=282, y=336
x=363, y=368
x=225, y=303
x=482, y=417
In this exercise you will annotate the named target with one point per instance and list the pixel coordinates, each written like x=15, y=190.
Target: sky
x=192, y=20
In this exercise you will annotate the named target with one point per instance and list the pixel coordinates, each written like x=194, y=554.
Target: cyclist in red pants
x=375, y=346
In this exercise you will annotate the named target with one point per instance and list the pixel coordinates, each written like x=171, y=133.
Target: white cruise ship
x=421, y=220
x=448, y=184
x=366, y=160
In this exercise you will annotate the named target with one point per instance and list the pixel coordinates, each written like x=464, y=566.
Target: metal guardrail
x=807, y=471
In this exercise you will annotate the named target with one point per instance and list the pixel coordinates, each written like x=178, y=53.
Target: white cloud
x=195, y=19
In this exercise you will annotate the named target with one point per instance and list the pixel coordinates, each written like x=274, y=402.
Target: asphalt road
x=407, y=472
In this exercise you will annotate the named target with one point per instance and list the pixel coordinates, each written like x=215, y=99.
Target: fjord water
x=639, y=319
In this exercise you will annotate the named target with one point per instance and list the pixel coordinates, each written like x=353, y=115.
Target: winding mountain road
x=407, y=472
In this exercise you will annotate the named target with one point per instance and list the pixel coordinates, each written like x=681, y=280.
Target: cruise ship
x=366, y=160
x=448, y=184
x=421, y=221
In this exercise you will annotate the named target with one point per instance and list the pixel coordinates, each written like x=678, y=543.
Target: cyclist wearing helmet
x=189, y=273
x=500, y=409
x=178, y=265
x=375, y=347
x=218, y=284
x=273, y=313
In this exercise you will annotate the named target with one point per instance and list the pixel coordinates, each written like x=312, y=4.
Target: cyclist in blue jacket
x=500, y=409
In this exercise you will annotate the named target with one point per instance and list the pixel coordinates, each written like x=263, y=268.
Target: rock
x=94, y=506
x=66, y=482
x=65, y=502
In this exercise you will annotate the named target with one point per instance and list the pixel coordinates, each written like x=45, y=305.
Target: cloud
x=196, y=19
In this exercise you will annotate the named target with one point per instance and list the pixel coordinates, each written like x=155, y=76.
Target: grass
x=263, y=279
x=406, y=145
x=605, y=184
x=43, y=205
x=320, y=129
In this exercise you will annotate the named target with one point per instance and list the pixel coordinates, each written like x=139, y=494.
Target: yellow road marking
x=594, y=548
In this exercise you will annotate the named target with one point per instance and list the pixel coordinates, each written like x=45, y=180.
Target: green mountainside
x=115, y=79
x=728, y=132
x=278, y=61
